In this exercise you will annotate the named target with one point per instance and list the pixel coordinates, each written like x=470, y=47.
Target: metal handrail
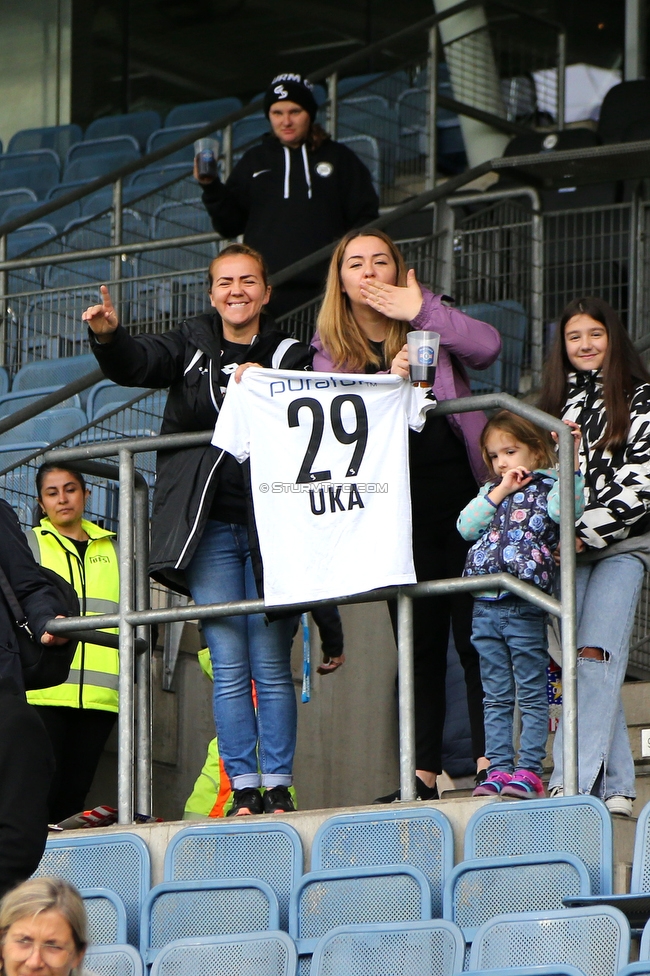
x=334, y=68
x=133, y=521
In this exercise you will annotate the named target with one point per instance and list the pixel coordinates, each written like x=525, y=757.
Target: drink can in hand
x=206, y=152
x=423, y=356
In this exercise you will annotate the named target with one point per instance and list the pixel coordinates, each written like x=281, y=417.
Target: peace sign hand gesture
x=102, y=319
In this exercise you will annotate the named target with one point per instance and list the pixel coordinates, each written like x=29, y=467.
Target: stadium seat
x=119, y=862
x=596, y=941
x=58, y=219
x=479, y=889
x=404, y=949
x=323, y=900
x=199, y=113
x=113, y=960
x=4, y=381
x=38, y=170
x=187, y=909
x=352, y=83
x=159, y=175
x=247, y=131
x=11, y=402
x=367, y=149
x=163, y=137
x=389, y=85
x=13, y=454
x=580, y=825
x=102, y=200
x=48, y=427
x=644, y=945
x=422, y=838
x=371, y=115
x=57, y=372
x=176, y=220
x=561, y=969
x=106, y=395
x=640, y=968
x=110, y=145
x=511, y=321
x=12, y=198
x=56, y=137
x=52, y=328
x=271, y=852
x=23, y=241
x=106, y=916
x=139, y=125
x=87, y=168
x=636, y=904
x=250, y=954
x=62, y=188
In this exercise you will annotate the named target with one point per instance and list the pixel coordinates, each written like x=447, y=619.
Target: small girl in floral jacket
x=515, y=519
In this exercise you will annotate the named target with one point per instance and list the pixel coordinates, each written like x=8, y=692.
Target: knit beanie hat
x=291, y=88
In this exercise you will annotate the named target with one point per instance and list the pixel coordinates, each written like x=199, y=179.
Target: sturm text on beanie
x=291, y=87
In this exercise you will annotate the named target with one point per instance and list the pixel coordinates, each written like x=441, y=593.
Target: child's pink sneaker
x=496, y=780
x=524, y=785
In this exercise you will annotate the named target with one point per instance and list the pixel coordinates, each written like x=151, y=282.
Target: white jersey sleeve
x=232, y=429
x=417, y=401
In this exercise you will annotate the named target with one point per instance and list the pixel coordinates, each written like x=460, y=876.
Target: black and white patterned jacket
x=617, y=485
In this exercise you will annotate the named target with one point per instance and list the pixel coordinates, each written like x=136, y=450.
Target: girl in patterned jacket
x=515, y=519
x=595, y=377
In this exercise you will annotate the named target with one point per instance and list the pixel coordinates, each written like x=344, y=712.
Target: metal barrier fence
x=134, y=593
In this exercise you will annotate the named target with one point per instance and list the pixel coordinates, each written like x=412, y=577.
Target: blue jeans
x=510, y=637
x=607, y=593
x=242, y=648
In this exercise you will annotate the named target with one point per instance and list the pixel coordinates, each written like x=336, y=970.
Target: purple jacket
x=463, y=342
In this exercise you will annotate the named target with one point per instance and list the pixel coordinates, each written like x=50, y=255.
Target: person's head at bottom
x=43, y=929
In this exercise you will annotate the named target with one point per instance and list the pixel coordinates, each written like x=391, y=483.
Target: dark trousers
x=439, y=553
x=78, y=737
x=26, y=768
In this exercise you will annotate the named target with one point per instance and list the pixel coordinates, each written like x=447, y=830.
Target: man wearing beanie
x=294, y=193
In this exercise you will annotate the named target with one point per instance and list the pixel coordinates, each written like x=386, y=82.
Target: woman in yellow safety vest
x=80, y=713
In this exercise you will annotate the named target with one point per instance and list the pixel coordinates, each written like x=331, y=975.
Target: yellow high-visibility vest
x=93, y=679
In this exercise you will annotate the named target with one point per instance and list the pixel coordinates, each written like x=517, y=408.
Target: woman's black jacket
x=187, y=360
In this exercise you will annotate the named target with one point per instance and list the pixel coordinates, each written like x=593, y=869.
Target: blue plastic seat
x=106, y=916
x=250, y=954
x=271, y=852
x=644, y=945
x=101, y=200
x=640, y=968
x=52, y=329
x=58, y=219
x=636, y=904
x=354, y=82
x=87, y=168
x=163, y=137
x=595, y=940
x=56, y=137
x=11, y=198
x=111, y=145
x=62, y=188
x=48, y=427
x=38, y=170
x=247, y=131
x=421, y=837
x=479, y=889
x=118, y=861
x=159, y=175
x=4, y=381
x=580, y=825
x=199, y=113
x=404, y=949
x=55, y=372
x=27, y=238
x=13, y=454
x=561, y=969
x=106, y=395
x=176, y=220
x=139, y=125
x=367, y=149
x=113, y=960
x=11, y=402
x=187, y=909
x=371, y=115
x=323, y=900
x=511, y=321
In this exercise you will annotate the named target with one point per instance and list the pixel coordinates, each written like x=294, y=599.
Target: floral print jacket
x=520, y=534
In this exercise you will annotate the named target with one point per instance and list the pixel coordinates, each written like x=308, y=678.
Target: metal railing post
x=4, y=276
x=116, y=239
x=227, y=151
x=537, y=295
x=406, y=697
x=432, y=110
x=568, y=616
x=125, y=717
x=143, y=661
x=561, y=79
x=332, y=104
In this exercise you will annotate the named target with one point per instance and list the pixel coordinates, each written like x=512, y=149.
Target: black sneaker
x=278, y=800
x=423, y=792
x=246, y=803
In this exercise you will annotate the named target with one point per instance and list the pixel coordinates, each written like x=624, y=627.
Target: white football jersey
x=329, y=477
